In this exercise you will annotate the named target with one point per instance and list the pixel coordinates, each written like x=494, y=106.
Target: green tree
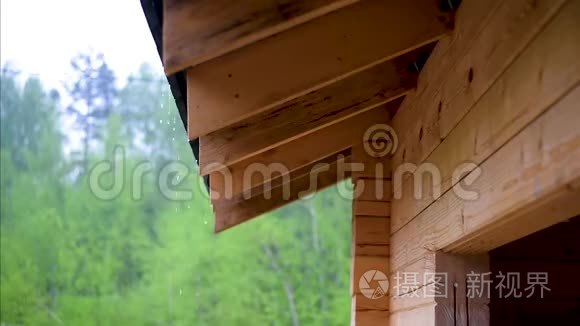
x=94, y=95
x=70, y=258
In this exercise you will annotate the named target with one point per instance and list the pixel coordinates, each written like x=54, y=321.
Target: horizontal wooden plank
x=370, y=317
x=371, y=230
x=234, y=212
x=306, y=58
x=297, y=153
x=370, y=250
x=373, y=189
x=303, y=115
x=523, y=188
x=562, y=205
x=197, y=31
x=372, y=208
x=363, y=303
x=275, y=178
x=471, y=17
x=536, y=75
x=404, y=292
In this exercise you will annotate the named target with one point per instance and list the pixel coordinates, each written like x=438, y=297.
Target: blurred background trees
x=69, y=258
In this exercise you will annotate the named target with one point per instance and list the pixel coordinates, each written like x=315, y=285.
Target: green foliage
x=69, y=258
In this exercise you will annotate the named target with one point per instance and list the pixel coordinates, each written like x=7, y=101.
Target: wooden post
x=370, y=237
x=467, y=290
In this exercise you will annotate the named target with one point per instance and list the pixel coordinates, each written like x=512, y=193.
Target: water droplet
x=204, y=222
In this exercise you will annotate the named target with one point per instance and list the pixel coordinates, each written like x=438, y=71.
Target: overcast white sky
x=41, y=36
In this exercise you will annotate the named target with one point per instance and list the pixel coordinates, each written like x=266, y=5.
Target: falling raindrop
x=204, y=222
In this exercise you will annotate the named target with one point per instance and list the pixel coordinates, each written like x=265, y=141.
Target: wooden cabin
x=458, y=124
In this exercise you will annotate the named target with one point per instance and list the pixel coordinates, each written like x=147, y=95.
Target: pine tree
x=94, y=95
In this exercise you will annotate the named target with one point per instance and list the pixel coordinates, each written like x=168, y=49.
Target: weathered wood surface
x=306, y=58
x=234, y=212
x=373, y=189
x=304, y=115
x=459, y=307
x=275, y=178
x=370, y=242
x=524, y=187
x=420, y=315
x=370, y=317
x=533, y=79
x=529, y=184
x=197, y=31
x=475, y=86
x=299, y=152
x=371, y=230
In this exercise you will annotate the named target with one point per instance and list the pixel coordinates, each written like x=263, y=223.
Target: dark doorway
x=550, y=259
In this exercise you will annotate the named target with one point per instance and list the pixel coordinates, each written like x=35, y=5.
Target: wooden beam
x=534, y=78
x=532, y=182
x=304, y=115
x=370, y=250
x=197, y=31
x=275, y=178
x=297, y=153
x=234, y=212
x=370, y=243
x=306, y=58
